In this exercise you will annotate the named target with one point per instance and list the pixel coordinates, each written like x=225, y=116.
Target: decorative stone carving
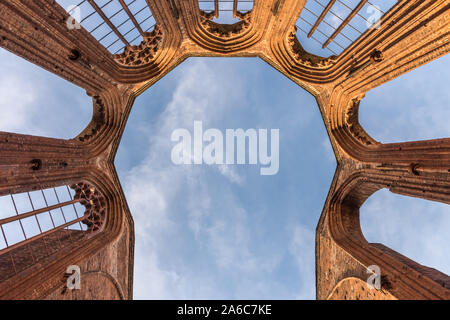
x=307, y=59
x=351, y=118
x=98, y=120
x=207, y=15
x=225, y=30
x=37, y=31
x=95, y=204
x=144, y=53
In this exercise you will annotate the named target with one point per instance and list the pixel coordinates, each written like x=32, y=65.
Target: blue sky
x=226, y=231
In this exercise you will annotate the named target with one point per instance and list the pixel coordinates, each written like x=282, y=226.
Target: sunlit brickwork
x=117, y=49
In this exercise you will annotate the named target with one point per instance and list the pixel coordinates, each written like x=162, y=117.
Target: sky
x=227, y=232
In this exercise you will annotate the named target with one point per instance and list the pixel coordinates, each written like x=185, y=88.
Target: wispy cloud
x=230, y=173
x=159, y=193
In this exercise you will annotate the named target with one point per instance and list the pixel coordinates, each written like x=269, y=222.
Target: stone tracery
x=412, y=33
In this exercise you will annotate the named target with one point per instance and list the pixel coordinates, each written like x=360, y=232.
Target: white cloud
x=159, y=193
x=230, y=173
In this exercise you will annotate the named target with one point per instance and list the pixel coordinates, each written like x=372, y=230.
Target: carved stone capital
x=95, y=204
x=144, y=53
x=225, y=30
x=306, y=59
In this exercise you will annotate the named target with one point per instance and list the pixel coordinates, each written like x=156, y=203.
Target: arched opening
x=115, y=24
x=413, y=227
x=37, y=224
x=225, y=231
x=225, y=11
x=412, y=107
x=36, y=102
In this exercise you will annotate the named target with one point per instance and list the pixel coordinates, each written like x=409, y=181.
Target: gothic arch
x=403, y=278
